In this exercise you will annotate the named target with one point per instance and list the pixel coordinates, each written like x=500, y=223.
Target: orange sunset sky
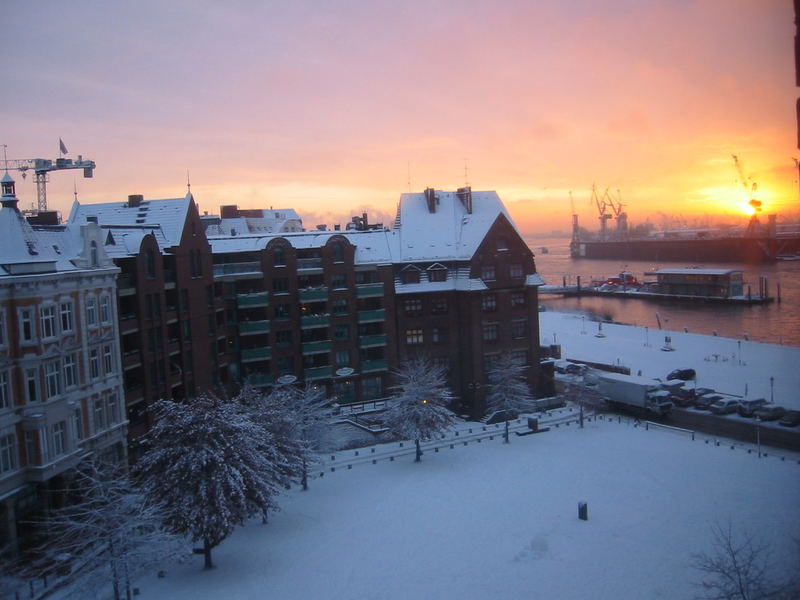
x=333, y=107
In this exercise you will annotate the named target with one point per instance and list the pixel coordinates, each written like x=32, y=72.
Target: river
x=776, y=322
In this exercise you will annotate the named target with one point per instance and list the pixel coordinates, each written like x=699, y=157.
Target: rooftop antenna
x=75, y=188
x=466, y=174
x=5, y=157
x=188, y=183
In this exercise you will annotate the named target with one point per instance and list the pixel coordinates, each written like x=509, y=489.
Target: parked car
x=724, y=406
x=684, y=374
x=770, y=412
x=790, y=419
x=705, y=401
x=748, y=407
x=702, y=391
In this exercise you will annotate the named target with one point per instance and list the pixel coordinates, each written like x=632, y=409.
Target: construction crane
x=751, y=192
x=602, y=205
x=42, y=167
x=621, y=216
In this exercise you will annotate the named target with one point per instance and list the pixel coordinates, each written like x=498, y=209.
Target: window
x=413, y=308
x=339, y=281
x=32, y=384
x=71, y=370
x=99, y=415
x=341, y=333
x=520, y=356
x=280, y=285
x=372, y=388
x=108, y=359
x=283, y=337
x=490, y=331
x=91, y=311
x=105, y=309
x=437, y=274
x=67, y=322
x=517, y=299
x=414, y=336
x=515, y=270
x=338, y=253
x=410, y=275
x=52, y=378
x=282, y=311
x=487, y=272
x=77, y=423
x=184, y=300
x=339, y=306
x=8, y=452
x=519, y=329
x=439, y=335
x=58, y=437
x=47, y=317
x=342, y=358
x=439, y=306
x=489, y=303
x=93, y=262
x=489, y=361
x=5, y=390
x=502, y=244
x=94, y=363
x=112, y=409
x=279, y=256
x=26, y=325
x=150, y=264
x=2, y=328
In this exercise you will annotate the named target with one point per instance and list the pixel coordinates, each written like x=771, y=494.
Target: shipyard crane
x=43, y=166
x=751, y=192
x=602, y=206
x=621, y=216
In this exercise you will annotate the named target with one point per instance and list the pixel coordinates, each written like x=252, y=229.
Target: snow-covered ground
x=491, y=520
x=725, y=364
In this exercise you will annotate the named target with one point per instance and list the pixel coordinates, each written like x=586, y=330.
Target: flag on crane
x=61, y=146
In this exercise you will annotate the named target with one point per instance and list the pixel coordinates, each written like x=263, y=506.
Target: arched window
x=93, y=262
x=338, y=253
x=150, y=263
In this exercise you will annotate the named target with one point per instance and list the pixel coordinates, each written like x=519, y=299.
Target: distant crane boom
x=42, y=167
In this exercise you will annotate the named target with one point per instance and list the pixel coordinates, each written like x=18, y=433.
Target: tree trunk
x=419, y=451
x=304, y=478
x=207, y=554
x=114, y=571
x=505, y=435
x=264, y=516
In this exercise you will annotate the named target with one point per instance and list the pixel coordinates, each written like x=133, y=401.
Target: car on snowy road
x=790, y=419
x=748, y=408
x=770, y=412
x=724, y=406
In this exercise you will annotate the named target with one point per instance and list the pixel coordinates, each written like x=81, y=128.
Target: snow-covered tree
x=418, y=408
x=508, y=387
x=107, y=535
x=210, y=466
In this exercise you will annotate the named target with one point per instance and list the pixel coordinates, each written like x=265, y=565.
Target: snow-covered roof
x=165, y=219
x=451, y=232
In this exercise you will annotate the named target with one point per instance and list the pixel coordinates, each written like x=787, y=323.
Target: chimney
x=135, y=200
x=430, y=199
x=229, y=211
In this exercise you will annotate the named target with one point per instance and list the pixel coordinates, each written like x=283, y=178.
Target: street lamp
x=771, y=389
x=758, y=435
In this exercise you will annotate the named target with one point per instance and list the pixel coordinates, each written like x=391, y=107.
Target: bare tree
x=419, y=407
x=739, y=568
x=508, y=388
x=107, y=534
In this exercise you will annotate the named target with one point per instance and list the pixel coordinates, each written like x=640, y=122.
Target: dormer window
x=410, y=274
x=93, y=254
x=502, y=244
x=437, y=272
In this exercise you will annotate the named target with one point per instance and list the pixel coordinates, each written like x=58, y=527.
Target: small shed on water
x=715, y=283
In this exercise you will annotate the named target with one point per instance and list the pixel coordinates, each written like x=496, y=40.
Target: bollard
x=401, y=444
x=451, y=446
x=333, y=457
x=470, y=430
x=356, y=452
x=333, y=469
x=374, y=461
x=391, y=459
x=373, y=450
x=583, y=511
x=436, y=449
x=349, y=467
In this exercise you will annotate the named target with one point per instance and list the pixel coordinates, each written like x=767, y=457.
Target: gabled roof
x=164, y=218
x=451, y=232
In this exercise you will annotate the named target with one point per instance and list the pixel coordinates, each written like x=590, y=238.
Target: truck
x=632, y=393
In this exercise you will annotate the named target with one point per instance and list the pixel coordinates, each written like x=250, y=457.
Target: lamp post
x=771, y=389
x=758, y=435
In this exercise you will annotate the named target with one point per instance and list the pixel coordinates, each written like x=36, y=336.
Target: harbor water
x=775, y=322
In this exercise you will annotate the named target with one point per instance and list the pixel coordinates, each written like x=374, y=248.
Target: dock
x=574, y=290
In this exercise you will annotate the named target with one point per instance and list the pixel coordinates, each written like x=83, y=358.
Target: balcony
x=369, y=290
x=259, y=379
x=369, y=316
x=320, y=347
x=371, y=366
x=252, y=300
x=318, y=373
x=369, y=341
x=256, y=354
x=126, y=284
x=314, y=295
x=304, y=264
x=313, y=321
x=253, y=327
x=243, y=268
